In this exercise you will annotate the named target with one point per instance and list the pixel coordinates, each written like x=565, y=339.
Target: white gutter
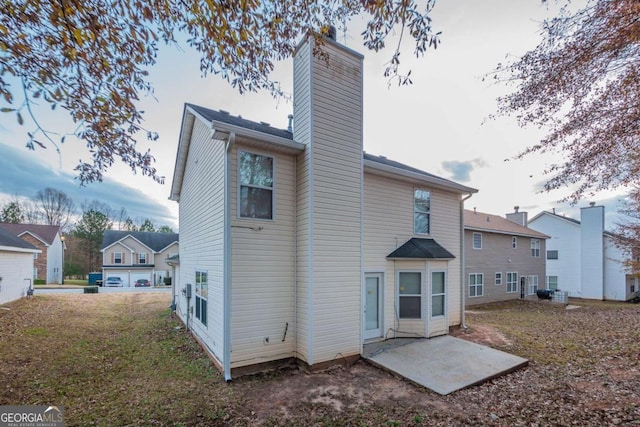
x=257, y=135
x=17, y=249
x=463, y=289
x=226, y=292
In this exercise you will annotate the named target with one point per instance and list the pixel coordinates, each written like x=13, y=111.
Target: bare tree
x=56, y=207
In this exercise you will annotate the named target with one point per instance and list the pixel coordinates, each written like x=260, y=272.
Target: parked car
x=142, y=283
x=113, y=281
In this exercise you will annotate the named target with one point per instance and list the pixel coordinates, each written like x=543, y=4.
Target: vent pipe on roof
x=290, y=126
x=516, y=208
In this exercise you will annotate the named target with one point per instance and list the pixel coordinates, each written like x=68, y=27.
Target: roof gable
x=45, y=233
x=8, y=240
x=154, y=241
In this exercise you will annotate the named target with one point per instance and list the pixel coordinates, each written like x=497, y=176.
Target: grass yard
x=122, y=359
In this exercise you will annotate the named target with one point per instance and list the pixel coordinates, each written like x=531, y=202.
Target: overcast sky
x=437, y=124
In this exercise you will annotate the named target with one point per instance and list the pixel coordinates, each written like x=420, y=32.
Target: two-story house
x=134, y=255
x=582, y=257
x=296, y=245
x=504, y=259
x=48, y=263
x=16, y=266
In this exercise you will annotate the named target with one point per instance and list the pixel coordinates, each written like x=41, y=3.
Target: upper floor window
x=514, y=242
x=142, y=258
x=552, y=254
x=477, y=240
x=421, y=211
x=256, y=185
x=117, y=258
x=535, y=248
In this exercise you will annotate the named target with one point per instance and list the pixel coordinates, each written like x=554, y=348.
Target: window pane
x=421, y=222
x=255, y=203
x=437, y=305
x=437, y=282
x=256, y=170
x=410, y=283
x=410, y=307
x=421, y=209
x=477, y=240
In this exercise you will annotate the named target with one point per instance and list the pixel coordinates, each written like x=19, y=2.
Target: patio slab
x=443, y=364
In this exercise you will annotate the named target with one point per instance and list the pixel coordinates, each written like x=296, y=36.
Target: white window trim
x=517, y=277
x=514, y=242
x=121, y=258
x=422, y=296
x=473, y=241
x=146, y=258
x=557, y=254
x=196, y=297
x=498, y=280
x=535, y=248
x=444, y=294
x=530, y=285
x=272, y=188
x=476, y=285
x=548, y=282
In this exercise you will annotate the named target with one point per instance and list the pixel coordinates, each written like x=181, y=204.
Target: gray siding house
x=504, y=258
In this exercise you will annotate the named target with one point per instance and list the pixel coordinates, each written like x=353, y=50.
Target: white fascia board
x=16, y=249
x=119, y=242
x=508, y=233
x=411, y=176
x=172, y=243
x=35, y=236
x=282, y=143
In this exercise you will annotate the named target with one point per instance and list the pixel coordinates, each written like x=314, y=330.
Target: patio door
x=373, y=305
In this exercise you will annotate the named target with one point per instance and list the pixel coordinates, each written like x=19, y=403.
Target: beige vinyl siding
x=337, y=175
x=388, y=224
x=109, y=254
x=202, y=232
x=302, y=130
x=263, y=271
x=328, y=116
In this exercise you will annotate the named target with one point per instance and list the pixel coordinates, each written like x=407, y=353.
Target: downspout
x=227, y=260
x=463, y=324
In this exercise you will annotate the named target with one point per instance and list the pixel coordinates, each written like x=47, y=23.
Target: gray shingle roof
x=45, y=233
x=154, y=241
x=419, y=248
x=223, y=116
x=8, y=239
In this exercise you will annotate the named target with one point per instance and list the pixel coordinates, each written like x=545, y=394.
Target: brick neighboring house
x=47, y=264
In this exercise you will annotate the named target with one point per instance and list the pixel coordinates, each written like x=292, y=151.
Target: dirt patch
x=483, y=334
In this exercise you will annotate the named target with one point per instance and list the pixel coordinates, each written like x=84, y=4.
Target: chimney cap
x=592, y=204
x=331, y=32
x=516, y=208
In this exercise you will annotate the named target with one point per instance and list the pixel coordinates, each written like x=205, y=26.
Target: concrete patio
x=443, y=364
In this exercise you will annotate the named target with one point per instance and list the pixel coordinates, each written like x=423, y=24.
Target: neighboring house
x=504, y=259
x=48, y=263
x=16, y=266
x=297, y=245
x=582, y=257
x=133, y=255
